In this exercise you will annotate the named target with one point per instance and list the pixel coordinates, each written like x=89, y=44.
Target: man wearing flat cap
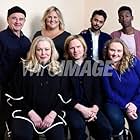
x=13, y=46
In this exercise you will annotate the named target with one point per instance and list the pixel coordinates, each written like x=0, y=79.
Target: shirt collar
x=12, y=34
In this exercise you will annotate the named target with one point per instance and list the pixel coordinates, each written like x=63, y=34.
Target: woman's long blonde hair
x=127, y=59
x=32, y=64
x=58, y=12
x=67, y=42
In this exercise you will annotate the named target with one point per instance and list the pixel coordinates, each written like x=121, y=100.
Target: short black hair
x=123, y=8
x=99, y=12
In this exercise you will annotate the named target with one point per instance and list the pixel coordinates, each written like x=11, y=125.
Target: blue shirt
x=123, y=88
x=12, y=48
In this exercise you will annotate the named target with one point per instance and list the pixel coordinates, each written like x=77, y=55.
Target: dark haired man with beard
x=128, y=33
x=94, y=37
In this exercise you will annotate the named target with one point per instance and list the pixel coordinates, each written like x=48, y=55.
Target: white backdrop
x=76, y=13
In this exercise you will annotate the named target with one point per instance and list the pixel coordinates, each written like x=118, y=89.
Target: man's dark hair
x=99, y=12
x=123, y=8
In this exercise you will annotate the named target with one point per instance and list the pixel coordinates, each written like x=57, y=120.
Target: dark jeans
x=116, y=117
x=23, y=130
x=100, y=129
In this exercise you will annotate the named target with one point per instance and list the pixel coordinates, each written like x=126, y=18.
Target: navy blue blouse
x=123, y=88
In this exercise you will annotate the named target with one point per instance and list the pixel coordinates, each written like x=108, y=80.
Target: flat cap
x=16, y=9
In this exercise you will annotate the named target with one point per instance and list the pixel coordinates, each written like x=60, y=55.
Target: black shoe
x=118, y=137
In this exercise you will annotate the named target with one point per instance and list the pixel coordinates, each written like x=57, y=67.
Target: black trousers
x=99, y=129
x=3, y=114
x=2, y=128
x=23, y=130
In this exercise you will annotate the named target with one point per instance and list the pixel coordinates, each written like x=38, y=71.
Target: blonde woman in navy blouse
x=122, y=89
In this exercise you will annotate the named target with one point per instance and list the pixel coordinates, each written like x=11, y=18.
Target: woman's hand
x=48, y=120
x=132, y=115
x=131, y=110
x=36, y=119
x=131, y=107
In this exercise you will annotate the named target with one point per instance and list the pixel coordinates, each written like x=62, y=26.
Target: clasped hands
x=39, y=123
x=131, y=111
x=89, y=113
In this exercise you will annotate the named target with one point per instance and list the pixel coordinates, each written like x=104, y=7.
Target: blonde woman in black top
x=54, y=28
x=37, y=94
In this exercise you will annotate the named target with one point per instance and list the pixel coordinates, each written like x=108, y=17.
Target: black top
x=40, y=91
x=58, y=41
x=86, y=88
x=12, y=48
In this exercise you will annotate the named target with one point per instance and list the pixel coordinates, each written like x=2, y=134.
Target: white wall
x=72, y=11
x=111, y=7
x=76, y=13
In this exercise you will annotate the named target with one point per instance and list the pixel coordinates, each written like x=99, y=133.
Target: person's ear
x=90, y=19
x=132, y=18
x=7, y=19
x=119, y=20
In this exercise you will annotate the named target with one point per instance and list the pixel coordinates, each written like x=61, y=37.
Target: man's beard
x=95, y=29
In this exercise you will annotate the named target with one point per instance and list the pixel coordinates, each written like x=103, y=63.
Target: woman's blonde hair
x=58, y=12
x=32, y=64
x=127, y=59
x=67, y=42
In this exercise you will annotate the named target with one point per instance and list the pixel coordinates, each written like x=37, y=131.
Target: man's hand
x=89, y=113
x=94, y=110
